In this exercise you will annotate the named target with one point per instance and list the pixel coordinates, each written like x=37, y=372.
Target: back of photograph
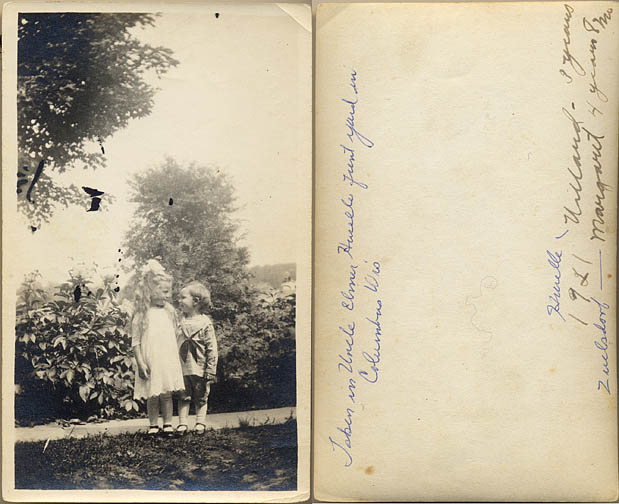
x=156, y=252
x=465, y=252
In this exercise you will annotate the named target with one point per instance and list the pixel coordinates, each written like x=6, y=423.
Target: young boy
x=197, y=347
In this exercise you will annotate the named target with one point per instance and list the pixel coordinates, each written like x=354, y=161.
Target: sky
x=238, y=100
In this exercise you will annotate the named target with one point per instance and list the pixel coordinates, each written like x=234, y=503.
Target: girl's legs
x=152, y=406
x=166, y=408
x=184, y=397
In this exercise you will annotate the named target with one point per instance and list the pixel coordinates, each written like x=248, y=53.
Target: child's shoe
x=199, y=429
x=168, y=430
x=153, y=430
x=181, y=430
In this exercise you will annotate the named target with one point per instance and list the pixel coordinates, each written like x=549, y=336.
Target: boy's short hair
x=200, y=294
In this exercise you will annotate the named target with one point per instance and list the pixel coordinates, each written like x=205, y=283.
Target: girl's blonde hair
x=200, y=294
x=149, y=278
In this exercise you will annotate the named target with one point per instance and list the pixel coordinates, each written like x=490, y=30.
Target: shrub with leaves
x=258, y=356
x=73, y=350
x=73, y=353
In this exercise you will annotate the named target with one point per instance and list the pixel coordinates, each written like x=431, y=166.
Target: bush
x=257, y=356
x=72, y=354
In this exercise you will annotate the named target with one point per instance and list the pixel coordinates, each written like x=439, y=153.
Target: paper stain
x=609, y=275
x=552, y=370
x=486, y=284
x=512, y=381
x=369, y=470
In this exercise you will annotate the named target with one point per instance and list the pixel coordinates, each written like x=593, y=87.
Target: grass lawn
x=249, y=458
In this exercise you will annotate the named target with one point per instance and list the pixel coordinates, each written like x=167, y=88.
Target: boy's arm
x=210, y=366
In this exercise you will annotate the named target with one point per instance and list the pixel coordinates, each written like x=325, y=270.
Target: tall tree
x=185, y=219
x=80, y=79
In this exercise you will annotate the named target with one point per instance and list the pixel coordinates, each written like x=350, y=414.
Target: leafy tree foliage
x=184, y=219
x=80, y=79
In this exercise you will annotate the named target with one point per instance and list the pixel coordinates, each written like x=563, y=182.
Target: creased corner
x=327, y=12
x=301, y=13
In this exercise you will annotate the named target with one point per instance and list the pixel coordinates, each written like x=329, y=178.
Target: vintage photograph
x=157, y=244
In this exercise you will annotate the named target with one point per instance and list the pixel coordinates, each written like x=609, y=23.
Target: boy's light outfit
x=197, y=347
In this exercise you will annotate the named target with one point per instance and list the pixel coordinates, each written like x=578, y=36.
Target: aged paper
x=209, y=92
x=466, y=178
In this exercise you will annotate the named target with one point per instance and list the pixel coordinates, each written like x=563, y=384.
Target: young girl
x=197, y=347
x=153, y=339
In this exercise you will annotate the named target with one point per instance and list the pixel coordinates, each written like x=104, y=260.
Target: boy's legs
x=200, y=399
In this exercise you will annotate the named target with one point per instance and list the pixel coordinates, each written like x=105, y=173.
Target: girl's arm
x=142, y=366
x=136, y=343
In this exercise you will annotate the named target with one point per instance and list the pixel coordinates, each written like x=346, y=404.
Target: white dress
x=161, y=356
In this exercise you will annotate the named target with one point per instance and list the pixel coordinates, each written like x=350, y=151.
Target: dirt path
x=115, y=427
